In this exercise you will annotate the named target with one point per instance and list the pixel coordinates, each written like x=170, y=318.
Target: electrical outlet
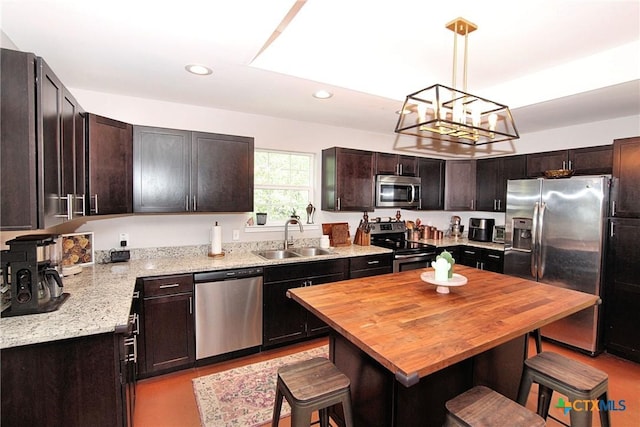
x=236, y=235
x=124, y=239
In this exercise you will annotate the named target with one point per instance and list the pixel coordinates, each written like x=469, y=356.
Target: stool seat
x=481, y=406
x=577, y=381
x=312, y=385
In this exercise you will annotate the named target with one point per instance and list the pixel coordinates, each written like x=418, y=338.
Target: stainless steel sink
x=276, y=254
x=292, y=253
x=311, y=251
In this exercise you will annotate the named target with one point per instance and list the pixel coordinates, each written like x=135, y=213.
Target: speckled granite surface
x=100, y=296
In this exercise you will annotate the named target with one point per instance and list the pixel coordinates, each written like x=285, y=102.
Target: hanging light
x=445, y=113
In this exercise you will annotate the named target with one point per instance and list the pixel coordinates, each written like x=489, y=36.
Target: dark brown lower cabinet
x=75, y=382
x=484, y=259
x=168, y=332
x=622, y=292
x=370, y=265
x=284, y=320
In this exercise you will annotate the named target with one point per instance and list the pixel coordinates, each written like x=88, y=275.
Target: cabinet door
x=386, y=164
x=169, y=332
x=49, y=113
x=283, y=319
x=512, y=167
x=431, y=173
x=222, y=173
x=460, y=185
x=370, y=265
x=622, y=300
x=110, y=166
x=347, y=180
x=18, y=210
x=72, y=155
x=626, y=175
x=488, y=178
x=550, y=160
x=315, y=326
x=591, y=160
x=161, y=170
x=493, y=260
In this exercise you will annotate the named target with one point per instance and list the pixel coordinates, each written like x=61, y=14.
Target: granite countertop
x=100, y=296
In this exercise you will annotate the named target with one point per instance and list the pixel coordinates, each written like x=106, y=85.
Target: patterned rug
x=244, y=396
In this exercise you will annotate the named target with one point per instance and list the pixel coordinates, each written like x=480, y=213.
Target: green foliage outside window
x=283, y=183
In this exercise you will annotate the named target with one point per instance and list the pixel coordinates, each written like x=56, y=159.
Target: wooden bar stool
x=482, y=406
x=312, y=385
x=577, y=381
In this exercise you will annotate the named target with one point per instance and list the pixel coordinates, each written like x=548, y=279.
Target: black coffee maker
x=36, y=286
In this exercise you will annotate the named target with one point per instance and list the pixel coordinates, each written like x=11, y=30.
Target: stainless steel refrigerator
x=555, y=234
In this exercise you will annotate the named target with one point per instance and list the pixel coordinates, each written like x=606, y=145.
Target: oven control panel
x=387, y=227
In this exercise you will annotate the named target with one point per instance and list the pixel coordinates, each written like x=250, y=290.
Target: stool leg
x=324, y=417
x=538, y=337
x=346, y=410
x=544, y=400
x=605, y=417
x=277, y=406
x=583, y=418
x=300, y=417
x=525, y=387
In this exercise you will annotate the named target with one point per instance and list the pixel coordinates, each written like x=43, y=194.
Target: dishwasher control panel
x=215, y=276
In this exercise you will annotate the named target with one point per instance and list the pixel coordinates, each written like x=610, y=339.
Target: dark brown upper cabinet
x=42, y=146
x=583, y=161
x=395, y=164
x=625, y=194
x=431, y=173
x=491, y=181
x=184, y=171
x=347, y=180
x=110, y=168
x=460, y=185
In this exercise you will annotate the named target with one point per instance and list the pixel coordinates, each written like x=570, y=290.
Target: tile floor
x=168, y=400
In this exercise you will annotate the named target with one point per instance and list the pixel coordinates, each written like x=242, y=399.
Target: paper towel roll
x=216, y=239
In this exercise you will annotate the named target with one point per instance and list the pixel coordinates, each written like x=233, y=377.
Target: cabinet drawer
x=167, y=285
x=370, y=261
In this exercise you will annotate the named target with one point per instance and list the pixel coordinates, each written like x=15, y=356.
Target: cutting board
x=338, y=233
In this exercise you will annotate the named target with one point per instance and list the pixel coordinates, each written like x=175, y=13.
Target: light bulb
x=422, y=112
x=475, y=115
x=458, y=112
x=493, y=120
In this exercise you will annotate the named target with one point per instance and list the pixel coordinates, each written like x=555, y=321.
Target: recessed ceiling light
x=200, y=70
x=322, y=94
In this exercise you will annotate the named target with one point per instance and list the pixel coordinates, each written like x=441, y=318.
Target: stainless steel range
x=407, y=255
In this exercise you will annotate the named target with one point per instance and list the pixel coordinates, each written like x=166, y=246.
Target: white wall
x=282, y=134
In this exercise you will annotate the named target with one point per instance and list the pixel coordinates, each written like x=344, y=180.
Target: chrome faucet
x=286, y=230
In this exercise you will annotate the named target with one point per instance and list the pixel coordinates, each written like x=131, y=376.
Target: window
x=283, y=183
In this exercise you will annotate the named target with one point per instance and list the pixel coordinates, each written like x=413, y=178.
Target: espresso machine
x=28, y=269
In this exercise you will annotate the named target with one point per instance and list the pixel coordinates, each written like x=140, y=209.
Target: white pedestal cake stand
x=442, y=286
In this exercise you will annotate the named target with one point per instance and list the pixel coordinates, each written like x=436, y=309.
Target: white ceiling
x=554, y=62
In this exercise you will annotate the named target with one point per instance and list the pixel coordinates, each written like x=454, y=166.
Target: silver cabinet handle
x=564, y=164
x=373, y=262
x=611, y=229
x=493, y=256
x=195, y=206
x=570, y=165
x=69, y=202
x=173, y=285
x=613, y=208
x=190, y=305
x=186, y=202
x=81, y=211
x=95, y=197
x=338, y=204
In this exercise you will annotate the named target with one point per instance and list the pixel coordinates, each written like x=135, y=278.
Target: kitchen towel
x=216, y=239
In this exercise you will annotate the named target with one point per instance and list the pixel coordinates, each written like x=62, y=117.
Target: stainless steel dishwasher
x=228, y=311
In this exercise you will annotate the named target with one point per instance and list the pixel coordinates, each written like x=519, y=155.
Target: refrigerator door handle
x=534, y=240
x=541, y=263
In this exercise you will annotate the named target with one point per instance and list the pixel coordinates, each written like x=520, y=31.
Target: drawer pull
x=173, y=285
x=493, y=256
x=373, y=262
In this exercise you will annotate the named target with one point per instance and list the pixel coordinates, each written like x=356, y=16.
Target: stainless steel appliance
x=555, y=234
x=481, y=229
x=228, y=311
x=398, y=191
x=455, y=227
x=498, y=234
x=407, y=255
x=34, y=283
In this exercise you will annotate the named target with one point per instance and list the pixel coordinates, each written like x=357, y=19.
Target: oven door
x=414, y=261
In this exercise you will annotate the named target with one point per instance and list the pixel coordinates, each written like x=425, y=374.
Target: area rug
x=244, y=396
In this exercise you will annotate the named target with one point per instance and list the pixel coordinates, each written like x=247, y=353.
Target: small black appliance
x=36, y=286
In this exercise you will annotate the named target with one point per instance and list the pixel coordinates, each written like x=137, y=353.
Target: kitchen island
x=408, y=349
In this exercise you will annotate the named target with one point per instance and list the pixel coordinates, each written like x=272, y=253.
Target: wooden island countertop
x=402, y=323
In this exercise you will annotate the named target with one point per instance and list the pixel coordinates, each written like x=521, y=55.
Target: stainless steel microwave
x=394, y=191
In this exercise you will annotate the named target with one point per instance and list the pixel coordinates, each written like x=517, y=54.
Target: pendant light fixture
x=448, y=114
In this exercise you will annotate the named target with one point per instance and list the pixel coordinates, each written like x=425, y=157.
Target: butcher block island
x=408, y=349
